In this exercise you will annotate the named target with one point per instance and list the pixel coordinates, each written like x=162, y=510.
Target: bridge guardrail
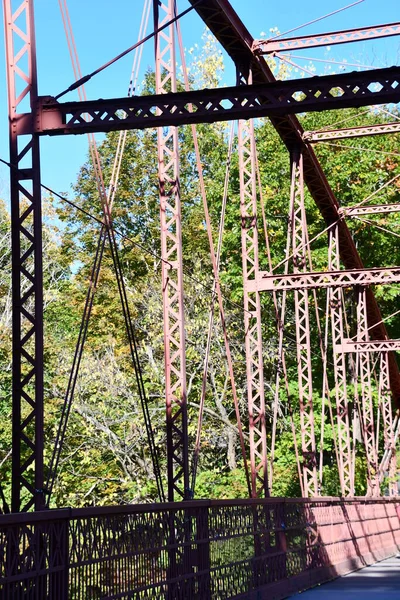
x=211, y=549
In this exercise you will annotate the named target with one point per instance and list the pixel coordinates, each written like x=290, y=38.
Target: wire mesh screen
x=209, y=550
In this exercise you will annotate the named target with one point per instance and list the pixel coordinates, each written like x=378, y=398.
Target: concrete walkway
x=379, y=582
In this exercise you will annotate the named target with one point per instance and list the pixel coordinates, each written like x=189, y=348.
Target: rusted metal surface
x=385, y=407
x=123, y=552
x=172, y=265
x=336, y=308
x=252, y=305
x=298, y=228
x=364, y=369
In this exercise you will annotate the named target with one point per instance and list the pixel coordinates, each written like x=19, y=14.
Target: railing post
x=281, y=541
x=203, y=552
x=58, y=556
x=64, y=579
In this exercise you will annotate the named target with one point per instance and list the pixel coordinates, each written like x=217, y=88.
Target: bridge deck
x=380, y=581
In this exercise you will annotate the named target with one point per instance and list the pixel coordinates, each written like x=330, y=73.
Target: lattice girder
x=298, y=224
x=27, y=271
x=367, y=412
x=345, y=466
x=385, y=406
x=172, y=266
x=252, y=309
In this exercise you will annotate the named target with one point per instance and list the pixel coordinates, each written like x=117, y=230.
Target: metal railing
x=208, y=550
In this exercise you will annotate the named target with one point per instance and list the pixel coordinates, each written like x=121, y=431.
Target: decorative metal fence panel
x=211, y=550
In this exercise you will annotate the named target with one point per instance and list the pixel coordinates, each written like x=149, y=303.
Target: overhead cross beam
x=221, y=104
x=264, y=281
x=374, y=209
x=368, y=346
x=351, y=132
x=326, y=39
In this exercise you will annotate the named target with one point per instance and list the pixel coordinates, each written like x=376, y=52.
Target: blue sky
x=103, y=29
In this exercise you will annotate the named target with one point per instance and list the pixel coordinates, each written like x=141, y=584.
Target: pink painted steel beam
x=336, y=308
x=252, y=304
x=369, y=345
x=326, y=39
x=27, y=271
x=265, y=282
x=219, y=104
x=384, y=465
x=367, y=405
x=352, y=132
x=172, y=266
x=377, y=209
x=385, y=407
x=298, y=225
x=230, y=31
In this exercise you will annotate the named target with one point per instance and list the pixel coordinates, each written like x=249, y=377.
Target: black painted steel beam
x=380, y=86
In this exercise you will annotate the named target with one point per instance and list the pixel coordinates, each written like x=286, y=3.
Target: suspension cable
x=346, y=120
x=372, y=224
x=341, y=218
x=196, y=451
x=131, y=241
x=136, y=244
x=325, y=60
x=323, y=350
x=215, y=265
x=335, y=12
x=360, y=148
x=281, y=362
x=379, y=322
x=106, y=202
x=87, y=78
x=292, y=64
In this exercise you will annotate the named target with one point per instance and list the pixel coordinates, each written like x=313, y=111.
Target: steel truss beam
x=172, y=266
x=326, y=39
x=298, y=223
x=345, y=466
x=27, y=271
x=368, y=346
x=385, y=461
x=352, y=132
x=378, y=209
x=265, y=282
x=252, y=306
x=237, y=41
x=385, y=406
x=367, y=405
x=30, y=124
x=221, y=104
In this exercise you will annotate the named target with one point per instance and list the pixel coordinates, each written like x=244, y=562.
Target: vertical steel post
x=27, y=270
x=340, y=373
x=252, y=305
x=367, y=411
x=172, y=272
x=300, y=263
x=385, y=405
